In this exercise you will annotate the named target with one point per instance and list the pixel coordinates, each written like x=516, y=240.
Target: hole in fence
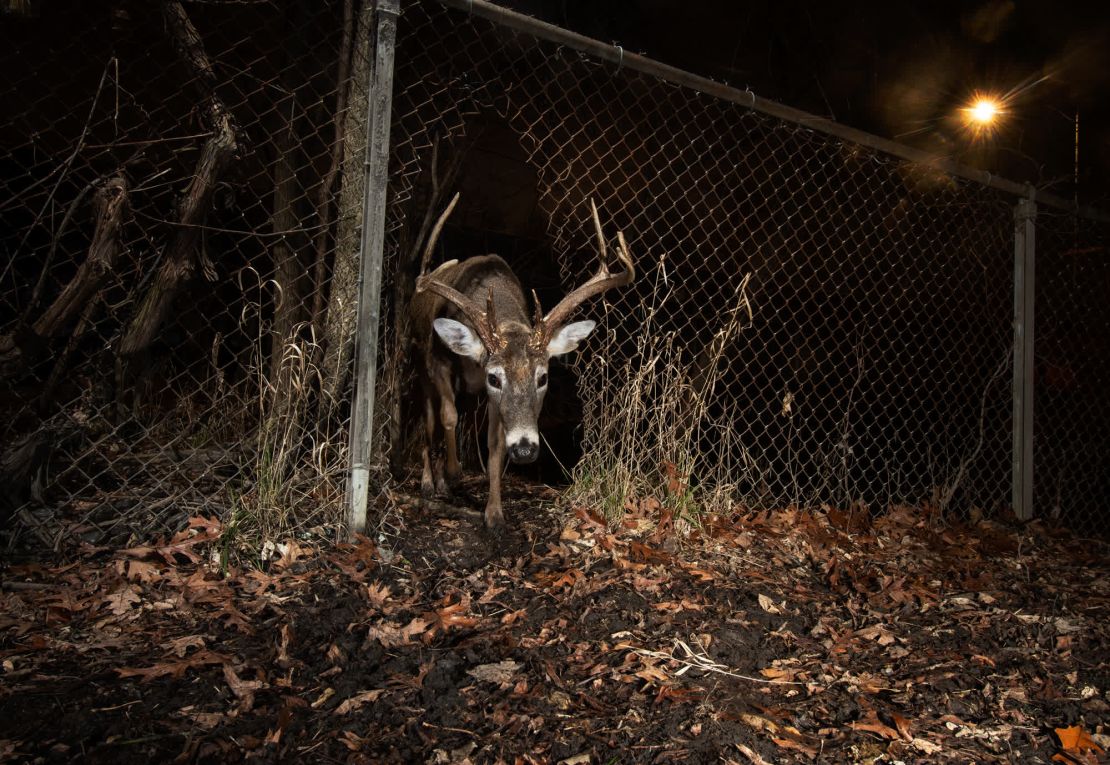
x=499, y=212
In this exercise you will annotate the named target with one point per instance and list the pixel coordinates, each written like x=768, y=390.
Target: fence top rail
x=627, y=59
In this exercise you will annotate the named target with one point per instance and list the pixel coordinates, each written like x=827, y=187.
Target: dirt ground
x=772, y=637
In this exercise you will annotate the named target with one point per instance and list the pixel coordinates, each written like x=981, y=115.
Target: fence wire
x=813, y=323
x=868, y=360
x=173, y=206
x=1072, y=370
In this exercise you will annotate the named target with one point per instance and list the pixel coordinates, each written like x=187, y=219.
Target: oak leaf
x=1075, y=739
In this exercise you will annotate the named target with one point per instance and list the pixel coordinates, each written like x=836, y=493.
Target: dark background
x=899, y=70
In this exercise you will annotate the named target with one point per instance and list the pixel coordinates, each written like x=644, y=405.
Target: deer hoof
x=427, y=489
x=494, y=518
x=443, y=489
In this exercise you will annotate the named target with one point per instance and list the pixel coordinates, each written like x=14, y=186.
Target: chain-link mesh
x=172, y=196
x=812, y=322
x=1071, y=470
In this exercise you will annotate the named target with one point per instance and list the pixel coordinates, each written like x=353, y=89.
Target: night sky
x=900, y=70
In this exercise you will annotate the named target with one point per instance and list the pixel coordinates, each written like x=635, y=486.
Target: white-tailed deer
x=496, y=349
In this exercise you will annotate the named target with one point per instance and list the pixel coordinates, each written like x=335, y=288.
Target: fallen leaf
x=173, y=668
x=872, y=724
x=358, y=700
x=904, y=726
x=138, y=570
x=753, y=756
x=391, y=636
x=180, y=646
x=1075, y=739
x=448, y=617
x=323, y=698
x=759, y=723
x=353, y=741
x=578, y=759
x=789, y=743
x=498, y=673
x=377, y=593
x=121, y=601
x=244, y=690
x=768, y=605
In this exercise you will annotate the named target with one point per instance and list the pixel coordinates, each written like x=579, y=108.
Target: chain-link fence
x=180, y=184
x=814, y=320
x=1072, y=370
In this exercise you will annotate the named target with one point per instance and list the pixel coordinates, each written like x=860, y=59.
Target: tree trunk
x=343, y=298
x=324, y=202
x=110, y=203
x=180, y=261
x=288, y=270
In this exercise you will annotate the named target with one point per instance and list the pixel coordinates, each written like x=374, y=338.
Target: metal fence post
x=1025, y=215
x=372, y=243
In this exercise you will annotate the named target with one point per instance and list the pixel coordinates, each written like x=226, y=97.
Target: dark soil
x=774, y=637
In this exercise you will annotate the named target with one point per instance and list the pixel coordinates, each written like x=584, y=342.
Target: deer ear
x=459, y=338
x=569, y=336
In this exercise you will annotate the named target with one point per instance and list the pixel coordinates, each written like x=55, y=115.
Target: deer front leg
x=449, y=419
x=427, y=484
x=495, y=438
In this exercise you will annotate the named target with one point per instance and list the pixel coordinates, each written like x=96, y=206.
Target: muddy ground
x=770, y=637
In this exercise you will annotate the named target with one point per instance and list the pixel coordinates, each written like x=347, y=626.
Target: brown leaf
x=448, y=617
x=498, y=673
x=872, y=724
x=138, y=570
x=1075, y=739
x=514, y=616
x=234, y=618
x=647, y=554
x=283, y=659
x=759, y=723
x=173, y=668
x=782, y=674
x=244, y=690
x=391, y=636
x=700, y=574
x=200, y=530
x=653, y=674
x=558, y=580
x=284, y=718
x=121, y=601
x=904, y=726
x=768, y=605
x=789, y=743
x=377, y=593
x=358, y=700
x=590, y=518
x=291, y=552
x=180, y=646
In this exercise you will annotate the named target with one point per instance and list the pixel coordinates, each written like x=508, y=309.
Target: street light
x=983, y=114
x=984, y=111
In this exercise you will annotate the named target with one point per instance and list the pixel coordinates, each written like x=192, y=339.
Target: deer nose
x=524, y=451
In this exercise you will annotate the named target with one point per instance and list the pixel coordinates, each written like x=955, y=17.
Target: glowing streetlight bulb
x=984, y=111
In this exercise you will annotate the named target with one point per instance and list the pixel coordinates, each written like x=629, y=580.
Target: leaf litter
x=778, y=637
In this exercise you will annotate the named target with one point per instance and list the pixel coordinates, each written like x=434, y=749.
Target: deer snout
x=523, y=445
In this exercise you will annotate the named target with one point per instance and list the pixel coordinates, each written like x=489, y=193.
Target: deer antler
x=484, y=322
x=597, y=284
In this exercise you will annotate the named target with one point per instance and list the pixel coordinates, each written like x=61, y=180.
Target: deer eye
x=541, y=381
x=494, y=381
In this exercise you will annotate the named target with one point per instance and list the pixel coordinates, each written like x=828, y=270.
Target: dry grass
x=298, y=469
x=647, y=422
